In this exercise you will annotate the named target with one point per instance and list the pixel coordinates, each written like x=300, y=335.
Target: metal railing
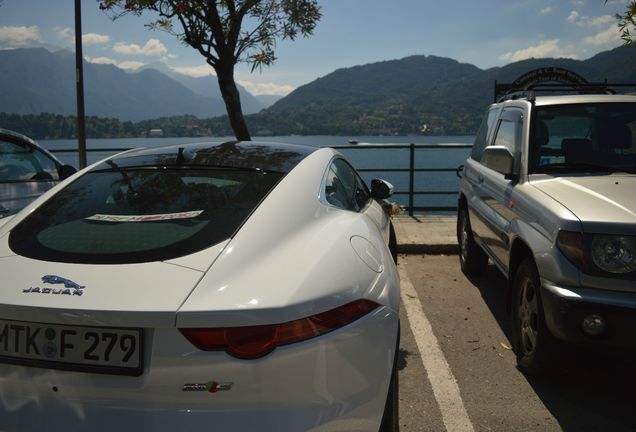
x=411, y=169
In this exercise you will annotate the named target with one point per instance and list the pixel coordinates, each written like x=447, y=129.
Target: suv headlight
x=614, y=254
x=599, y=253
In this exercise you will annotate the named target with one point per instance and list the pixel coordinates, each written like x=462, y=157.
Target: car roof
x=589, y=98
x=264, y=156
x=18, y=136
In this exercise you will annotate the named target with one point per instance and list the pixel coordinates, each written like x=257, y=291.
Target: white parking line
x=440, y=376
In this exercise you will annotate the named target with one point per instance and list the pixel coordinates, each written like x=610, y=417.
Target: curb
x=430, y=249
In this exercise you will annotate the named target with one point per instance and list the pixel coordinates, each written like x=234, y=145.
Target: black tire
x=393, y=243
x=536, y=348
x=472, y=259
x=391, y=415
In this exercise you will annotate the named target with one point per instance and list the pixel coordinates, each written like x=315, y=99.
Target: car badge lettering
x=210, y=387
x=70, y=288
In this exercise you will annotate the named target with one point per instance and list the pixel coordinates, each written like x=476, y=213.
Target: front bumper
x=566, y=307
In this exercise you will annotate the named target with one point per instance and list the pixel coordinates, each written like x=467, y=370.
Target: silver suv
x=549, y=196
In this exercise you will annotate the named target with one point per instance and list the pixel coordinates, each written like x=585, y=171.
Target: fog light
x=594, y=325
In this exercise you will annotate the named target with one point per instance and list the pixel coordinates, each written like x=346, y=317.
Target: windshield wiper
x=589, y=166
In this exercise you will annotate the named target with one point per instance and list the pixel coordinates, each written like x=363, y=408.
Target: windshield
x=584, y=138
x=141, y=214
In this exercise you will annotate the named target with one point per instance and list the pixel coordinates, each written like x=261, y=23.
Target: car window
x=507, y=135
x=21, y=162
x=344, y=188
x=572, y=137
x=484, y=133
x=141, y=214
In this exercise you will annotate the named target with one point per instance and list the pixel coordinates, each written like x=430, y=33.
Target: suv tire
x=472, y=259
x=534, y=345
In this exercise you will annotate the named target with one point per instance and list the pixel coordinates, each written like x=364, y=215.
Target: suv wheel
x=534, y=345
x=472, y=259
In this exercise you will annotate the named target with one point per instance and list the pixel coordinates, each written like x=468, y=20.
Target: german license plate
x=89, y=349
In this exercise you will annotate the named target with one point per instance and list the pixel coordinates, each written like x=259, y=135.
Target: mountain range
x=416, y=94
x=413, y=95
x=36, y=80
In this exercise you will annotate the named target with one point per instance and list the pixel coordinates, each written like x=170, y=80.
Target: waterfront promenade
x=423, y=234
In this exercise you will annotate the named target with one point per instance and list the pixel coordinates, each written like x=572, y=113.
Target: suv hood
x=602, y=203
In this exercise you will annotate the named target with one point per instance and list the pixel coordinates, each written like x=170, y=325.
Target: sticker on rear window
x=145, y=218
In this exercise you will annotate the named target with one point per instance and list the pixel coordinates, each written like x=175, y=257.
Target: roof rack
x=553, y=80
x=530, y=93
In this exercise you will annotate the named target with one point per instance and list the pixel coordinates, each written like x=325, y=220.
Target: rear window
x=140, y=215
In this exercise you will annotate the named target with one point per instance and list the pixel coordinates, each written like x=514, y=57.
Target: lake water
x=360, y=157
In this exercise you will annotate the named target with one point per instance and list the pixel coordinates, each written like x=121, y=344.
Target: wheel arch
x=518, y=251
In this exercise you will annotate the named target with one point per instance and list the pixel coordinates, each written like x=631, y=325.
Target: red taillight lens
x=256, y=341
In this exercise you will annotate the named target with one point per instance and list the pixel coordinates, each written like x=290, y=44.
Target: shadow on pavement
x=594, y=392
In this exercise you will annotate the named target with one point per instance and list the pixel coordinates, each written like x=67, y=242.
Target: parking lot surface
x=459, y=374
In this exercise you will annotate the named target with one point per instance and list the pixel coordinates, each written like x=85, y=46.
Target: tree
x=627, y=22
x=226, y=32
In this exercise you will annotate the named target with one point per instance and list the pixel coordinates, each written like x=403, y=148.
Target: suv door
x=492, y=191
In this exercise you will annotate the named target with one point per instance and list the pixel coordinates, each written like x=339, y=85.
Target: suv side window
x=344, y=188
x=484, y=133
x=509, y=132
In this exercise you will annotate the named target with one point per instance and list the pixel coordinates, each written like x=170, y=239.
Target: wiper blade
x=586, y=166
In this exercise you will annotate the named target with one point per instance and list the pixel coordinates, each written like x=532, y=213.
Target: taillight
x=256, y=341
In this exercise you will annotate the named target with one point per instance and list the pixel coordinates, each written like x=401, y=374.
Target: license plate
x=88, y=349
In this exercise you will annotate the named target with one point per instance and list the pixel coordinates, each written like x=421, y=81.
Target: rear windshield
x=139, y=215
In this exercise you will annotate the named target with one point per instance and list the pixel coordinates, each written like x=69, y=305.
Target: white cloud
x=610, y=36
x=130, y=65
x=573, y=17
x=101, y=60
x=95, y=39
x=600, y=20
x=167, y=58
x=585, y=21
x=266, y=88
x=548, y=48
x=64, y=33
x=152, y=48
x=194, y=71
x=18, y=36
x=545, y=11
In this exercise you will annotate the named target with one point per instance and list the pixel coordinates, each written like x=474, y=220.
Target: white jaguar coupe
x=234, y=286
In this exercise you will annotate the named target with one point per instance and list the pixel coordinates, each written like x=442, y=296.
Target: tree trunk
x=232, y=101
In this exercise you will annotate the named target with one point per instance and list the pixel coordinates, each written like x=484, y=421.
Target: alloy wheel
x=528, y=316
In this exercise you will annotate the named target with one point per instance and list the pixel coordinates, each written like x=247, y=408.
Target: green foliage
x=227, y=30
x=52, y=126
x=627, y=23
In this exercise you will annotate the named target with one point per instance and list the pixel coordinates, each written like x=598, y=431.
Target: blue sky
x=485, y=33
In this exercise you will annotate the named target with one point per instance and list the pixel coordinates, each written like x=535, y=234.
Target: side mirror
x=65, y=171
x=381, y=189
x=499, y=159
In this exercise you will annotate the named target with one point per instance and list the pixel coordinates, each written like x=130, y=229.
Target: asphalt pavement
x=457, y=369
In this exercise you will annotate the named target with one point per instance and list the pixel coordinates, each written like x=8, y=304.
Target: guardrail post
x=411, y=176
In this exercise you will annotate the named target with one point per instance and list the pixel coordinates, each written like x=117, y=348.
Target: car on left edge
x=229, y=286
x=26, y=171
